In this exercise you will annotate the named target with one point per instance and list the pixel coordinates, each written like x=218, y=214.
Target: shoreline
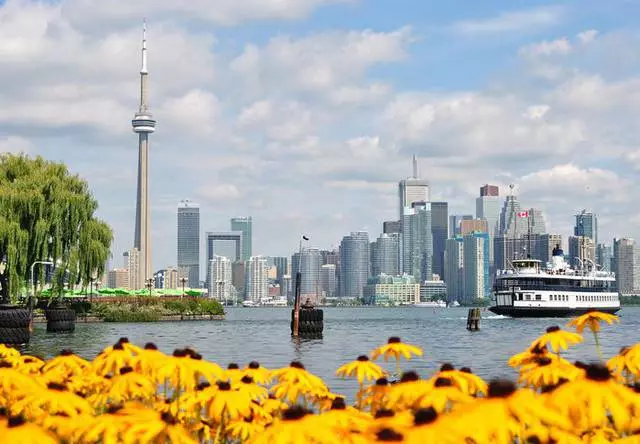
x=167, y=318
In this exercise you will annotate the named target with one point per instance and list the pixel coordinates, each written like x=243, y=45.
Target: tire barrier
x=15, y=323
x=60, y=319
x=311, y=322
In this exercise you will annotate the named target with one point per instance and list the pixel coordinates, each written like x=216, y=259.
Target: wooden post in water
x=473, y=319
x=296, y=304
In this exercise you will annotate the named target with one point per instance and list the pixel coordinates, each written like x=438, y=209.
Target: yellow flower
x=129, y=386
x=362, y=369
x=232, y=374
x=244, y=429
x=54, y=400
x=18, y=431
x=412, y=393
x=430, y=427
x=556, y=339
x=375, y=396
x=126, y=345
x=394, y=348
x=462, y=379
x=295, y=381
x=251, y=389
x=341, y=417
x=592, y=320
x=547, y=372
x=293, y=429
x=160, y=428
x=259, y=374
x=204, y=369
x=178, y=370
x=528, y=356
x=589, y=401
x=112, y=359
x=228, y=405
x=7, y=352
x=148, y=360
x=64, y=366
x=29, y=365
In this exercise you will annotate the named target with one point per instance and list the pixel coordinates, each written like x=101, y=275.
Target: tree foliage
x=47, y=212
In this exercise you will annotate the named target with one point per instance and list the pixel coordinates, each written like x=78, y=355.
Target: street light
x=149, y=285
x=183, y=280
x=296, y=304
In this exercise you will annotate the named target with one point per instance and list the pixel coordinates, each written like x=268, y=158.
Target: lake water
x=263, y=334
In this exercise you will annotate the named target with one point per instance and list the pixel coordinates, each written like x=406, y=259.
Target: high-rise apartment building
x=238, y=276
x=354, y=264
x=489, y=191
x=282, y=267
x=136, y=276
x=227, y=244
x=545, y=248
x=189, y=242
x=439, y=233
x=221, y=279
x=245, y=226
x=168, y=278
x=473, y=225
x=417, y=242
x=454, y=268
x=604, y=254
x=309, y=263
x=118, y=278
x=477, y=283
x=488, y=206
x=582, y=251
x=329, y=280
x=256, y=284
x=384, y=255
x=586, y=225
x=412, y=190
x=391, y=226
x=454, y=223
x=626, y=261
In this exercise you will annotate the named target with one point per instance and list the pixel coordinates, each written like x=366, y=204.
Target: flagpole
x=528, y=235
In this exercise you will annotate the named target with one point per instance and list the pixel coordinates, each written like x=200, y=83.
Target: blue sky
x=304, y=113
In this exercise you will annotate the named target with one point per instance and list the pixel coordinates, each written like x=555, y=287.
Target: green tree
x=47, y=212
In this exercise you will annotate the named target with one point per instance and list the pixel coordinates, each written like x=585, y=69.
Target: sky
x=304, y=114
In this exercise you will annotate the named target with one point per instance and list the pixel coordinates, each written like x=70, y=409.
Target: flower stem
x=359, y=396
x=595, y=335
x=398, y=372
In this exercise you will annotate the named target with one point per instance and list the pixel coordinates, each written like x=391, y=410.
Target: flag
x=523, y=214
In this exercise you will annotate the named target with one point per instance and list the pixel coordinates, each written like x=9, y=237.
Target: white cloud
x=219, y=193
x=587, y=36
x=15, y=144
x=546, y=48
x=512, y=21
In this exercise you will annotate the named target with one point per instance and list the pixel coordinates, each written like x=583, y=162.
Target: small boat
x=430, y=304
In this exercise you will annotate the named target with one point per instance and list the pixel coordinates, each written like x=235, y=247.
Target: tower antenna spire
x=415, y=167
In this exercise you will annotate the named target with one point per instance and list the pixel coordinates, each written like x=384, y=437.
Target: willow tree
x=47, y=212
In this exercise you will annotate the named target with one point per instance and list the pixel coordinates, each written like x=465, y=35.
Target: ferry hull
x=547, y=312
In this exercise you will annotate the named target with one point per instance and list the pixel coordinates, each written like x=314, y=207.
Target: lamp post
x=183, y=281
x=296, y=303
x=150, y=285
x=33, y=282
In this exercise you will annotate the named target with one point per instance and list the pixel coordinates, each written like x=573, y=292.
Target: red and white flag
x=523, y=214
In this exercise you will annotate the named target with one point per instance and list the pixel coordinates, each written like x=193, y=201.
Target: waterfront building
x=257, y=283
x=581, y=249
x=391, y=290
x=454, y=223
x=417, y=241
x=626, y=266
x=604, y=255
x=143, y=124
x=412, y=190
x=238, y=278
x=329, y=280
x=118, y=278
x=440, y=234
x=384, y=255
x=391, y=226
x=282, y=267
x=245, y=226
x=488, y=208
x=221, y=278
x=545, y=248
x=477, y=282
x=435, y=290
x=473, y=225
x=224, y=243
x=167, y=278
x=189, y=242
x=586, y=225
x=135, y=278
x=454, y=268
x=354, y=264
x=309, y=263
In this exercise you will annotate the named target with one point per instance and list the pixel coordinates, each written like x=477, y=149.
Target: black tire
x=13, y=317
x=14, y=336
x=60, y=314
x=319, y=315
x=61, y=326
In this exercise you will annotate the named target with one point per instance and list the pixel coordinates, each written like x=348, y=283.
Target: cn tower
x=143, y=124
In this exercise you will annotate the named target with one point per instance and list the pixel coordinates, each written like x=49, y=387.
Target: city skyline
x=499, y=94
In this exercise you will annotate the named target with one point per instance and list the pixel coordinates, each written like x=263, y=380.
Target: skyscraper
x=329, y=280
x=586, y=225
x=626, y=266
x=354, y=264
x=417, y=242
x=189, y=242
x=582, y=251
x=454, y=264
x=454, y=223
x=384, y=255
x=440, y=233
x=391, y=226
x=412, y=190
x=135, y=272
x=477, y=284
x=256, y=284
x=545, y=248
x=143, y=124
x=227, y=244
x=308, y=263
x=220, y=282
x=488, y=208
x=604, y=254
x=245, y=225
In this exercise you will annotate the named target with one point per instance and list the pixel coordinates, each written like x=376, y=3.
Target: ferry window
x=528, y=297
x=538, y=297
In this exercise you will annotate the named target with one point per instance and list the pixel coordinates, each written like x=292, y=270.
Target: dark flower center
x=533, y=440
x=150, y=346
x=338, y=404
x=384, y=413
x=118, y=346
x=425, y=416
x=443, y=382
x=393, y=340
x=123, y=340
x=501, y=388
x=597, y=372
x=254, y=365
x=16, y=421
x=446, y=367
x=388, y=435
x=196, y=356
x=233, y=366
x=179, y=353
x=125, y=370
x=409, y=376
x=297, y=364
x=56, y=386
x=581, y=365
x=553, y=329
x=29, y=360
x=246, y=379
x=465, y=370
x=363, y=358
x=66, y=352
x=114, y=408
x=224, y=386
x=294, y=413
x=203, y=385
x=542, y=361
x=382, y=381
x=4, y=364
x=168, y=418
x=624, y=350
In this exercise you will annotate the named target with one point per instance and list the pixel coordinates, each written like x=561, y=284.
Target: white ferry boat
x=530, y=290
x=431, y=304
